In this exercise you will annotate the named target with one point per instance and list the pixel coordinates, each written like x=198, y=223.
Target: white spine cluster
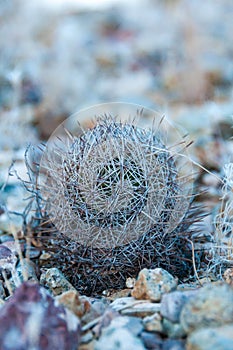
x=113, y=185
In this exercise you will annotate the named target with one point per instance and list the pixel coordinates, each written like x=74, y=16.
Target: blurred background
x=59, y=56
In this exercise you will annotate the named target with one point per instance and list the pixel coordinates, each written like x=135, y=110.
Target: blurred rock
x=118, y=338
x=152, y=341
x=172, y=304
x=211, y=306
x=173, y=344
x=153, y=323
x=131, y=307
x=31, y=319
x=173, y=330
x=220, y=338
x=72, y=301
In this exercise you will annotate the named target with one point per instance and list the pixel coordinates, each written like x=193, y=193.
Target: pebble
x=30, y=319
x=29, y=269
x=173, y=344
x=141, y=310
x=220, y=338
x=95, y=308
x=55, y=281
x=131, y=307
x=118, y=339
x=86, y=338
x=132, y=324
x=153, y=283
x=172, y=304
x=72, y=301
x=212, y=306
x=33, y=253
x=153, y=323
x=45, y=256
x=173, y=330
x=7, y=258
x=152, y=341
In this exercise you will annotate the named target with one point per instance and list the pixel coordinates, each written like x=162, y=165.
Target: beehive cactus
x=119, y=200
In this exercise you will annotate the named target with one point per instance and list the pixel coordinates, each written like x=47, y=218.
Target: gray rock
x=173, y=330
x=132, y=324
x=172, y=304
x=118, y=339
x=212, y=306
x=152, y=284
x=152, y=341
x=29, y=268
x=153, y=323
x=131, y=307
x=211, y=339
x=86, y=338
x=173, y=344
x=94, y=308
x=55, y=281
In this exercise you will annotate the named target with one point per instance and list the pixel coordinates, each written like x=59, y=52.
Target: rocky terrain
x=172, y=56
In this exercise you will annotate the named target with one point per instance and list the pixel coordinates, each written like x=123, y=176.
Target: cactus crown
x=113, y=184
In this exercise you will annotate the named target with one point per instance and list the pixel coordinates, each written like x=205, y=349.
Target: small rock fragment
x=97, y=308
x=118, y=339
x=173, y=344
x=153, y=323
x=211, y=339
x=72, y=301
x=28, y=268
x=212, y=306
x=55, y=281
x=152, y=341
x=152, y=284
x=132, y=324
x=131, y=307
x=45, y=256
x=7, y=258
x=173, y=330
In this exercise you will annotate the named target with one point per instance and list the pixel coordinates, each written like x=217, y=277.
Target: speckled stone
x=211, y=339
x=118, y=339
x=153, y=283
x=172, y=304
x=212, y=306
x=55, y=281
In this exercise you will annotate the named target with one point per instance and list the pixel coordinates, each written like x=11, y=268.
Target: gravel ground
x=172, y=56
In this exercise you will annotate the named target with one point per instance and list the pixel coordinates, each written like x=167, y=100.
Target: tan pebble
x=74, y=303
